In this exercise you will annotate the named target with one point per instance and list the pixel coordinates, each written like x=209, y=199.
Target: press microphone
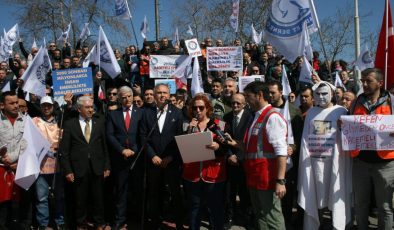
x=215, y=129
x=194, y=128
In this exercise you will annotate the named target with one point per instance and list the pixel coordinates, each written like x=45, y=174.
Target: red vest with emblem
x=382, y=109
x=211, y=171
x=260, y=160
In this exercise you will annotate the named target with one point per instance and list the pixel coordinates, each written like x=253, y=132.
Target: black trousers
x=156, y=180
x=86, y=188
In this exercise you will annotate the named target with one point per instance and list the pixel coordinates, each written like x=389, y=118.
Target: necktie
x=235, y=123
x=87, y=131
x=127, y=119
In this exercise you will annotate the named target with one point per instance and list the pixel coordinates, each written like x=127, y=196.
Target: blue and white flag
x=29, y=161
x=122, y=9
x=65, y=34
x=234, y=15
x=305, y=43
x=85, y=33
x=175, y=40
x=104, y=56
x=189, y=31
x=35, y=75
x=34, y=44
x=338, y=81
x=284, y=26
x=90, y=57
x=8, y=41
x=364, y=60
x=144, y=28
x=255, y=36
x=196, y=86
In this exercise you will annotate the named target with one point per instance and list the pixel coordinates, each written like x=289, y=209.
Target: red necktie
x=127, y=119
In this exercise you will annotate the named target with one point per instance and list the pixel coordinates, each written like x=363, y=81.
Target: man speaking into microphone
x=163, y=156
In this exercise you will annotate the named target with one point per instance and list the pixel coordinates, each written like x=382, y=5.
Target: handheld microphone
x=215, y=129
x=194, y=128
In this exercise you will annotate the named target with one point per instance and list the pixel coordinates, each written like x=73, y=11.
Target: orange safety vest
x=385, y=108
x=260, y=159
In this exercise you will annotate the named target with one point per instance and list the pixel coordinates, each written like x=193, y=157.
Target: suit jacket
x=77, y=153
x=119, y=138
x=239, y=132
x=162, y=144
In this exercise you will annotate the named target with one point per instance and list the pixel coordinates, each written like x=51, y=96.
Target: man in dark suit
x=123, y=136
x=163, y=155
x=85, y=161
x=238, y=121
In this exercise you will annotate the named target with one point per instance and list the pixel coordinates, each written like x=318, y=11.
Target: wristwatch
x=281, y=181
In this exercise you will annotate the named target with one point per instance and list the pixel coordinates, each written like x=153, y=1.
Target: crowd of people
x=114, y=158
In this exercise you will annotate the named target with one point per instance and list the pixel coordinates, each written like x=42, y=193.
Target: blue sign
x=76, y=81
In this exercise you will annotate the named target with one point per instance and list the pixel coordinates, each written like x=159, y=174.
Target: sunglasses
x=201, y=108
x=112, y=94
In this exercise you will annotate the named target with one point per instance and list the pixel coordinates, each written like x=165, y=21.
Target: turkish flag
x=380, y=51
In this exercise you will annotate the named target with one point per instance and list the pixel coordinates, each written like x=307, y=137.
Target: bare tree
x=48, y=18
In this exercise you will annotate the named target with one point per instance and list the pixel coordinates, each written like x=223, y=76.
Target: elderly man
x=85, y=162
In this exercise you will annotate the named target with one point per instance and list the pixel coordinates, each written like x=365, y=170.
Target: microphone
x=166, y=102
x=194, y=128
x=213, y=127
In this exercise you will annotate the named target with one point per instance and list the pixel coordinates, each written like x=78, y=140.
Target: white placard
x=193, y=147
x=224, y=58
x=164, y=66
x=193, y=47
x=243, y=81
x=367, y=132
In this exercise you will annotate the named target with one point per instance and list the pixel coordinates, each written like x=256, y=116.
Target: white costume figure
x=324, y=176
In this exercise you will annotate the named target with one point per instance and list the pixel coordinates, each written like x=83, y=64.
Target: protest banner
x=193, y=47
x=321, y=142
x=164, y=66
x=76, y=81
x=367, y=132
x=243, y=81
x=170, y=82
x=224, y=58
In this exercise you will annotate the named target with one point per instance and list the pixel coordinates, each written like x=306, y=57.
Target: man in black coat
x=237, y=122
x=85, y=161
x=123, y=127
x=163, y=154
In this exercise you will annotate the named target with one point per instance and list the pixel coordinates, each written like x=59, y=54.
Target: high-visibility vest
x=260, y=159
x=385, y=108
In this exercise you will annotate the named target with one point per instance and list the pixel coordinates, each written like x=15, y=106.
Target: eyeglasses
x=201, y=108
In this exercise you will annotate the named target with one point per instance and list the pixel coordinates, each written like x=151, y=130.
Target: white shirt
x=276, y=132
x=162, y=117
x=129, y=111
x=83, y=124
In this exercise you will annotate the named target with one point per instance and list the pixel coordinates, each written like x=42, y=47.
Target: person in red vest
x=205, y=180
x=373, y=169
x=265, y=157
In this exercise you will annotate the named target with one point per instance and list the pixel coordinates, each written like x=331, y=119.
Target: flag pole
x=387, y=43
x=357, y=38
x=131, y=22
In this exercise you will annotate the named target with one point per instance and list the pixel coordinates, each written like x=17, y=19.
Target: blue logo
x=287, y=17
x=366, y=58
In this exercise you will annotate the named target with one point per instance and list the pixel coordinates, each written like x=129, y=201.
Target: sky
x=373, y=9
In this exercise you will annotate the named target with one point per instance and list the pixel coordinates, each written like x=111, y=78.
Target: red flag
x=380, y=51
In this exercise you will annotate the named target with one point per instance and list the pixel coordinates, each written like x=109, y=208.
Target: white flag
x=105, y=57
x=196, y=86
x=122, y=9
x=44, y=42
x=35, y=75
x=189, y=31
x=8, y=41
x=34, y=44
x=175, y=40
x=285, y=82
x=286, y=115
x=65, y=34
x=6, y=87
x=284, y=26
x=144, y=28
x=30, y=160
x=305, y=43
x=85, y=33
x=338, y=81
x=306, y=72
x=182, y=72
x=234, y=15
x=364, y=60
x=90, y=57
x=256, y=37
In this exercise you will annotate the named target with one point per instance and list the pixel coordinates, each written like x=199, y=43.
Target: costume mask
x=322, y=96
